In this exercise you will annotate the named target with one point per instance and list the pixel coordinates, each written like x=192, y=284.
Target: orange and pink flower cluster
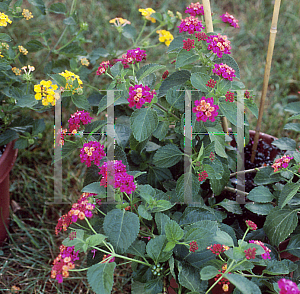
x=282, y=162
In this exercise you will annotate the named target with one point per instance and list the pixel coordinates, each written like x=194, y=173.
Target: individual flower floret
x=250, y=253
x=119, y=21
x=70, y=78
x=193, y=246
x=27, y=14
x=147, y=13
x=77, y=118
x=23, y=50
x=190, y=24
x=218, y=44
x=265, y=255
x=194, y=9
x=139, y=95
x=202, y=176
x=104, y=65
x=217, y=249
x=84, y=61
x=201, y=36
x=282, y=162
x=45, y=91
x=224, y=70
x=16, y=71
x=211, y=83
x=30, y=69
x=205, y=109
x=92, y=152
x=251, y=225
x=188, y=44
x=288, y=287
x=230, y=19
x=4, y=20
x=229, y=96
x=165, y=37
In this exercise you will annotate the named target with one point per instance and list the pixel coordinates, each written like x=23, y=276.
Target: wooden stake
x=273, y=32
x=209, y=29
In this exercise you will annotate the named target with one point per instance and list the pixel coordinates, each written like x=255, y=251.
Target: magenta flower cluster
x=92, y=152
x=140, y=94
x=76, y=118
x=194, y=9
x=205, y=109
x=218, y=44
x=265, y=255
x=288, y=287
x=114, y=173
x=188, y=44
x=132, y=56
x=224, y=70
x=103, y=67
x=226, y=17
x=190, y=24
x=282, y=162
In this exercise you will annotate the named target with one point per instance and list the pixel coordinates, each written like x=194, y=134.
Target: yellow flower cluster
x=70, y=78
x=27, y=14
x=165, y=37
x=16, y=71
x=45, y=91
x=119, y=21
x=4, y=20
x=147, y=12
x=23, y=50
x=84, y=61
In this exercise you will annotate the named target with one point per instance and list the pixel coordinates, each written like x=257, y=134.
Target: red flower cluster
x=247, y=94
x=193, y=246
x=103, y=67
x=194, y=9
x=188, y=44
x=132, y=56
x=165, y=74
x=80, y=210
x=218, y=44
x=224, y=282
x=217, y=249
x=211, y=83
x=140, y=94
x=288, y=287
x=205, y=109
x=114, y=173
x=201, y=36
x=226, y=17
x=203, y=176
x=229, y=96
x=251, y=225
x=190, y=24
x=212, y=156
x=224, y=70
x=63, y=263
x=76, y=118
x=250, y=253
x=92, y=152
x=282, y=162
x=265, y=255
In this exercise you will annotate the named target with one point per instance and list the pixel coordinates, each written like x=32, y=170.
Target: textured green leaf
x=161, y=130
x=293, y=107
x=59, y=79
x=217, y=135
x=224, y=86
x=121, y=227
x=34, y=46
x=167, y=156
x=27, y=101
x=199, y=81
x=161, y=219
x=173, y=231
x=259, y=208
x=143, y=123
x=129, y=31
x=95, y=188
x=222, y=237
x=186, y=57
x=187, y=187
x=208, y=272
x=101, y=277
x=95, y=240
x=266, y=176
x=279, y=224
x=260, y=194
x=39, y=4
x=144, y=213
x=176, y=44
x=287, y=193
x=285, y=143
x=176, y=98
x=275, y=267
x=155, y=249
x=292, y=127
x=293, y=246
x=5, y=37
x=72, y=50
x=252, y=107
x=243, y=284
x=230, y=110
x=58, y=8
x=70, y=21
x=153, y=286
x=231, y=206
x=230, y=62
x=81, y=102
x=147, y=70
x=137, y=248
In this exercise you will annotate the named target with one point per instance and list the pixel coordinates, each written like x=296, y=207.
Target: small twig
x=253, y=170
x=235, y=191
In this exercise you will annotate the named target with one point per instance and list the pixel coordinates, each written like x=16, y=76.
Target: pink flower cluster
x=229, y=96
x=132, y=56
x=76, y=118
x=226, y=17
x=63, y=263
x=140, y=94
x=80, y=210
x=224, y=70
x=194, y=9
x=193, y=246
x=218, y=44
x=205, y=109
x=250, y=253
x=103, y=67
x=288, y=287
x=190, y=24
x=92, y=152
x=114, y=173
x=251, y=225
x=201, y=36
x=188, y=44
x=265, y=255
x=282, y=162
x=202, y=176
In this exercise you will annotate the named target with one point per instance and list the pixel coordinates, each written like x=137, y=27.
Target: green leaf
x=5, y=37
x=153, y=286
x=97, y=53
x=39, y=4
x=187, y=185
x=8, y=136
x=174, y=80
x=287, y=193
x=101, y=277
x=173, y=231
x=223, y=238
x=231, y=206
x=78, y=242
x=161, y=220
x=161, y=130
x=252, y=107
x=285, y=143
x=293, y=107
x=243, y=284
x=58, y=8
x=21, y=143
x=275, y=267
x=208, y=272
x=186, y=57
x=259, y=208
x=137, y=248
x=230, y=62
x=167, y=156
x=169, y=246
x=34, y=46
x=230, y=110
x=199, y=81
x=147, y=70
x=27, y=101
x=155, y=249
x=81, y=102
x=72, y=50
x=224, y=86
x=217, y=136
x=95, y=240
x=176, y=98
x=143, y=123
x=95, y=188
x=129, y=31
x=279, y=224
x=59, y=79
x=4, y=65
x=121, y=228
x=260, y=194
x=70, y=21
x=144, y=213
x=94, y=126
x=292, y=127
x=176, y=44
x=38, y=126
x=266, y=176
x=293, y=246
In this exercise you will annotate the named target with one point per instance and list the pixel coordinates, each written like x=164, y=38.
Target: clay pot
x=7, y=161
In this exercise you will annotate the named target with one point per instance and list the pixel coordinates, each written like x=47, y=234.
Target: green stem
x=140, y=34
x=245, y=234
x=90, y=226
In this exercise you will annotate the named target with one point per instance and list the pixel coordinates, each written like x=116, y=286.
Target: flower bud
x=18, y=9
x=84, y=26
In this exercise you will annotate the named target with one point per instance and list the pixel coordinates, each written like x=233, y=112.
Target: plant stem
x=235, y=190
x=90, y=226
x=140, y=34
x=247, y=171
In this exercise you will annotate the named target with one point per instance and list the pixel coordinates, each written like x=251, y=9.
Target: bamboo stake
x=273, y=32
x=209, y=28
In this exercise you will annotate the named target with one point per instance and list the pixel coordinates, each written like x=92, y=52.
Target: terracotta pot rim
x=7, y=159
